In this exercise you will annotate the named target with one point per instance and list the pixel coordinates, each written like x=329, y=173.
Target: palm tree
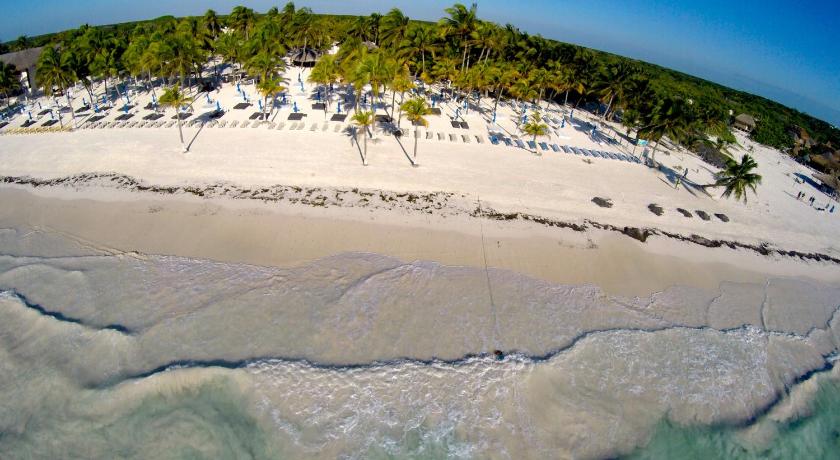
x=737, y=178
x=269, y=87
x=394, y=27
x=461, y=23
x=612, y=83
x=173, y=97
x=8, y=81
x=211, y=24
x=523, y=90
x=668, y=117
x=401, y=83
x=325, y=73
x=54, y=71
x=415, y=110
x=242, y=20
x=420, y=40
x=264, y=65
x=363, y=120
x=375, y=68
x=535, y=127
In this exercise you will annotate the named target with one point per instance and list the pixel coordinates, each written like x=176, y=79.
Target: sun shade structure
x=304, y=57
x=744, y=122
x=24, y=61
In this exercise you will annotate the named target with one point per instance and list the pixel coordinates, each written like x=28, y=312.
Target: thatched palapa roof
x=746, y=120
x=304, y=56
x=23, y=60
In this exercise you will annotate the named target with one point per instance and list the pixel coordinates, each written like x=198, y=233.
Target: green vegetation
x=471, y=56
x=736, y=178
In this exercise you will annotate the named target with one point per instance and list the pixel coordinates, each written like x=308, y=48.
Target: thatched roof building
x=304, y=57
x=24, y=61
x=744, y=122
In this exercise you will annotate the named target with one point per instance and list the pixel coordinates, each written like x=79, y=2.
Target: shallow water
x=364, y=356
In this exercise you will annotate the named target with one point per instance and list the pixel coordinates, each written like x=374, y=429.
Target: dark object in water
x=602, y=202
x=656, y=209
x=637, y=233
x=703, y=215
x=722, y=217
x=684, y=212
x=498, y=354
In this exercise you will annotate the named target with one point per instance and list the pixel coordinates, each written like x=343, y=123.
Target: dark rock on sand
x=640, y=234
x=602, y=202
x=656, y=209
x=722, y=217
x=684, y=212
x=703, y=215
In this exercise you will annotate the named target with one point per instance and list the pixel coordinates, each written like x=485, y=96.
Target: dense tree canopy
x=472, y=55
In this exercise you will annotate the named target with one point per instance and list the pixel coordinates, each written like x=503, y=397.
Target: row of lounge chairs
x=514, y=142
x=35, y=130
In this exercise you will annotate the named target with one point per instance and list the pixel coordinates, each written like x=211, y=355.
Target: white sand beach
x=258, y=264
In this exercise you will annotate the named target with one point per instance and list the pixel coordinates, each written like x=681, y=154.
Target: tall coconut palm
x=523, y=90
x=265, y=65
x=175, y=98
x=269, y=87
x=416, y=110
x=612, y=83
x=535, y=127
x=668, y=117
x=394, y=27
x=325, y=73
x=54, y=72
x=460, y=24
x=400, y=83
x=736, y=178
x=212, y=24
x=364, y=120
x=376, y=69
x=419, y=41
x=242, y=20
x=8, y=81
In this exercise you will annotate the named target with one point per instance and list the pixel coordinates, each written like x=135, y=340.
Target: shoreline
x=280, y=233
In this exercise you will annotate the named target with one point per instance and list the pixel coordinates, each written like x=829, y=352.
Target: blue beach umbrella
x=104, y=101
x=125, y=108
x=218, y=107
x=562, y=123
x=301, y=86
x=208, y=97
x=295, y=108
x=39, y=104
x=51, y=115
x=318, y=95
x=524, y=118
x=494, y=117
x=244, y=96
x=339, y=106
x=260, y=104
x=29, y=114
x=238, y=90
x=283, y=101
x=84, y=101
x=95, y=107
x=572, y=115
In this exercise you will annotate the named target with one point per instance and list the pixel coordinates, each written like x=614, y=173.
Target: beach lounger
x=555, y=147
x=233, y=123
x=430, y=135
x=271, y=125
x=440, y=136
x=256, y=124
x=169, y=124
x=465, y=138
x=508, y=142
x=543, y=145
x=325, y=126
x=314, y=127
x=532, y=145
x=222, y=123
x=519, y=143
x=337, y=128
x=245, y=124
x=455, y=124
x=494, y=140
x=479, y=139
x=452, y=138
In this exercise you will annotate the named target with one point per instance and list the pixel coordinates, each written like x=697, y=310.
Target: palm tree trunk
x=423, y=58
x=464, y=58
x=535, y=144
x=566, y=99
x=393, y=99
x=609, y=105
x=180, y=133
x=364, y=157
x=415, y=148
x=72, y=112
